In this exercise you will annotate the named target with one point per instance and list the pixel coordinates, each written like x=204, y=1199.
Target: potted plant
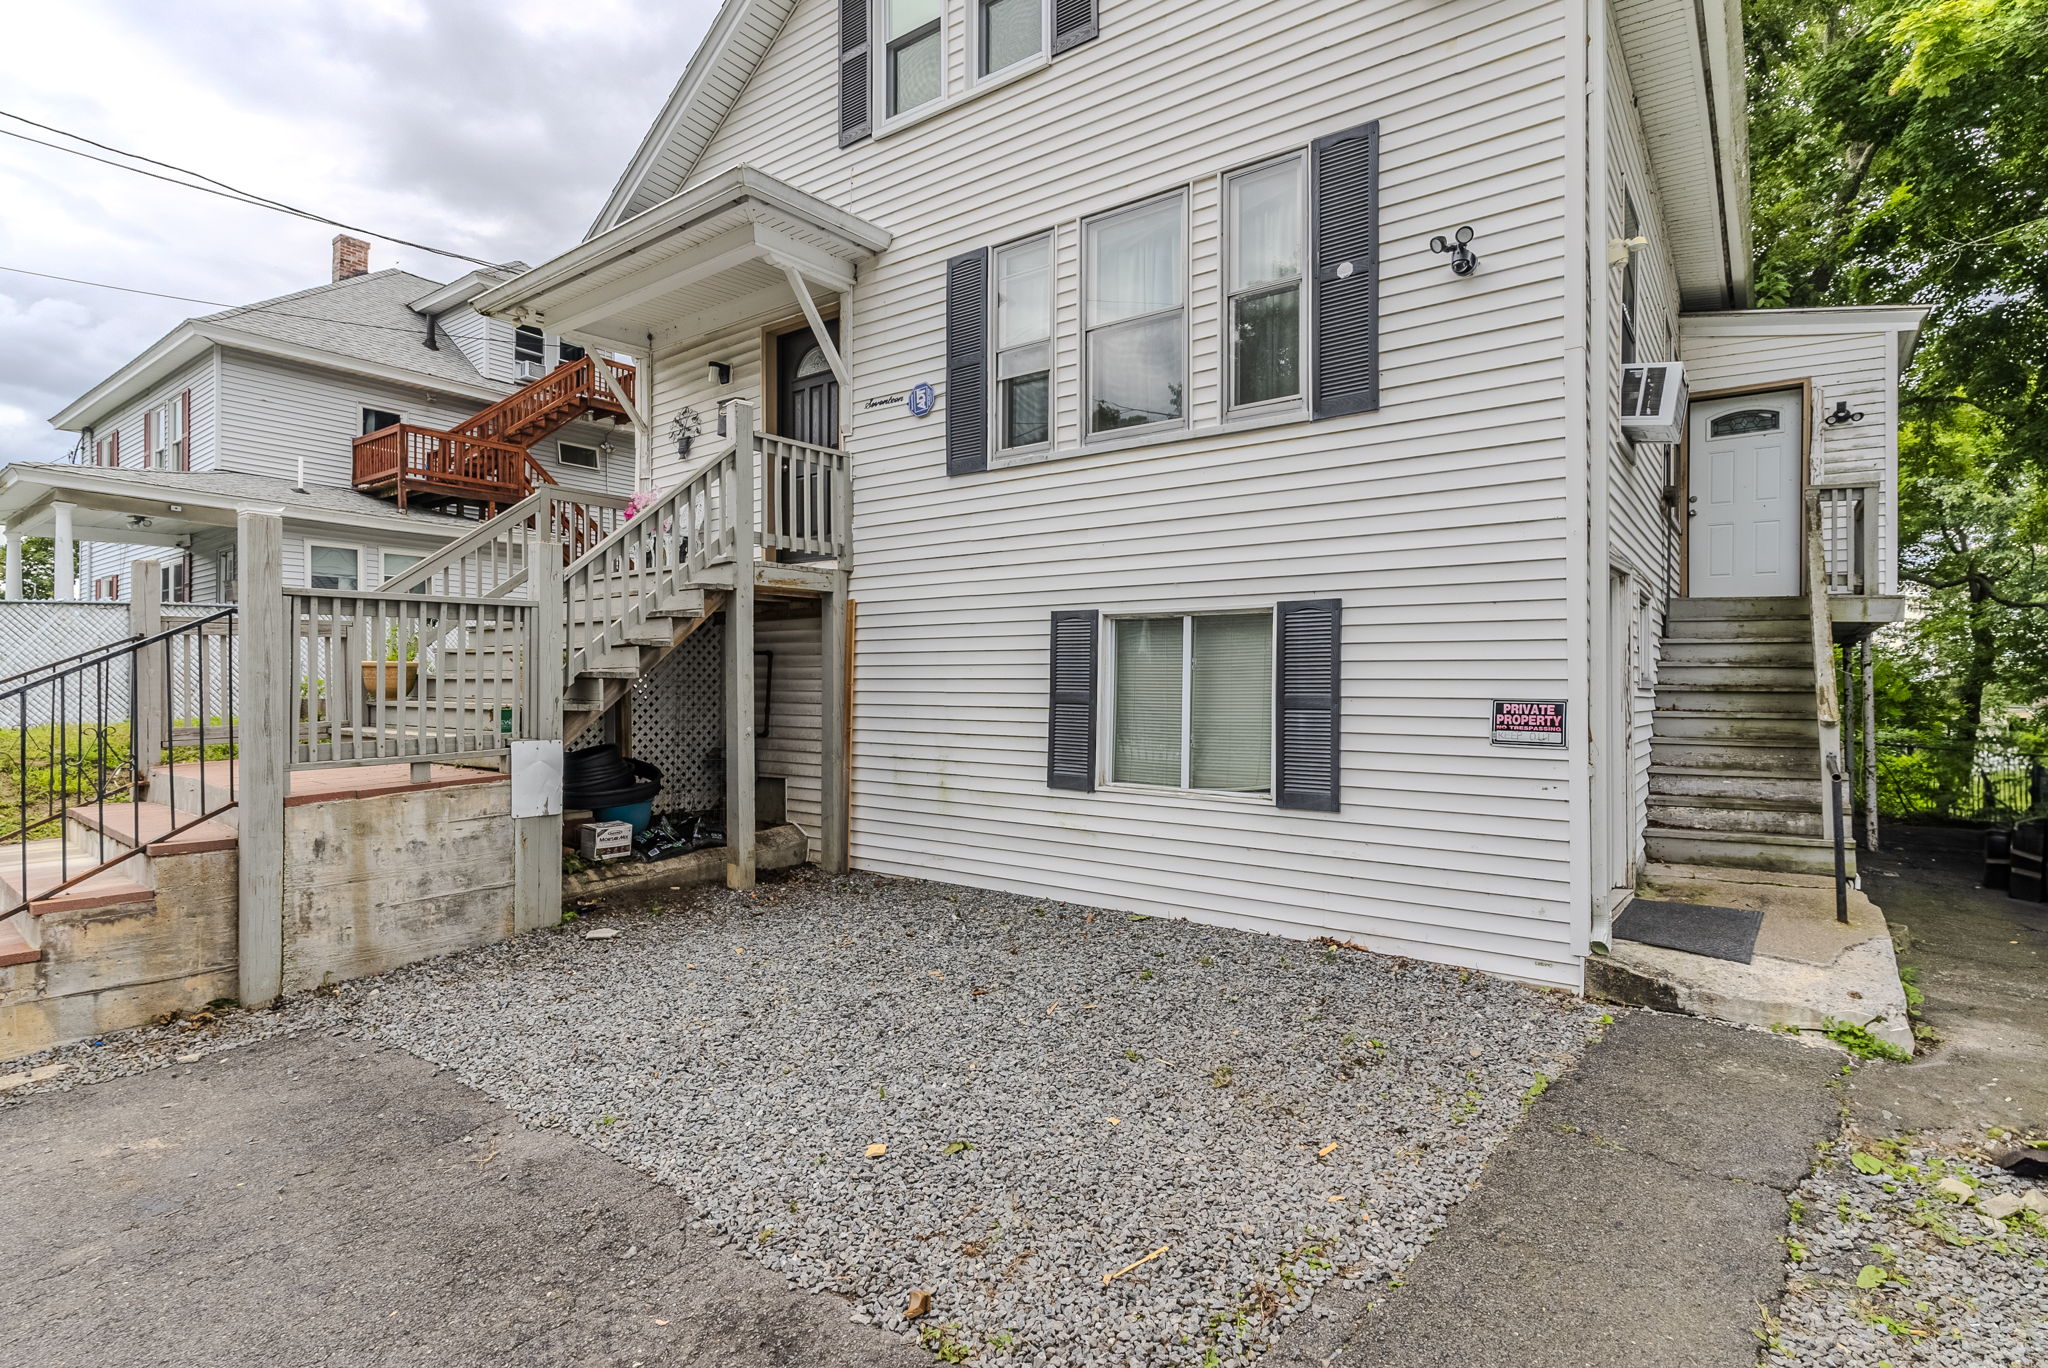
x=400, y=667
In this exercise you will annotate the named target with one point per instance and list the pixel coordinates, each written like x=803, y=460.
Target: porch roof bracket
x=802, y=288
x=630, y=403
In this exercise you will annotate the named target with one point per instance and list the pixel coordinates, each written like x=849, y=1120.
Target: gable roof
x=732, y=50
x=364, y=325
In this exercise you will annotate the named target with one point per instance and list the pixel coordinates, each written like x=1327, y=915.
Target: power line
x=225, y=191
x=239, y=309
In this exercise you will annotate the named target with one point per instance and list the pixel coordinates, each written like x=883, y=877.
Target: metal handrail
x=102, y=706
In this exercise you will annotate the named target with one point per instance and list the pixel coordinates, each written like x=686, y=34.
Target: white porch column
x=12, y=549
x=64, y=564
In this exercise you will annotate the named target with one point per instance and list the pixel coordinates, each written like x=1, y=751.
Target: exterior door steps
x=1735, y=741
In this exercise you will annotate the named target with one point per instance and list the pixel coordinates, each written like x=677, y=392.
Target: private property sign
x=1528, y=723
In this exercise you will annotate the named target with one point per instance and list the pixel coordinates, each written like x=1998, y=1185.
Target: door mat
x=1727, y=933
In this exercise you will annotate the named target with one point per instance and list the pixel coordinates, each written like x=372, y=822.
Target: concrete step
x=1786, y=608
x=1678, y=783
x=1776, y=727
x=119, y=827
x=1800, y=758
x=32, y=870
x=1744, y=850
x=1739, y=701
x=1685, y=675
x=1779, y=652
x=1758, y=816
x=14, y=946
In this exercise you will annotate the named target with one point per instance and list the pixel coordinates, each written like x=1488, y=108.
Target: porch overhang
x=152, y=508
x=723, y=250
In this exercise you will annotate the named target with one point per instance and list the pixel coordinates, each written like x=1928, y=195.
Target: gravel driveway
x=1109, y=1139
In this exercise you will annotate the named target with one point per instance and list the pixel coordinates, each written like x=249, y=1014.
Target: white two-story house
x=304, y=403
x=1272, y=498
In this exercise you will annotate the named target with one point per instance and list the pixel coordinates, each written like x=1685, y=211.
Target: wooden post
x=832, y=757
x=537, y=858
x=740, y=764
x=263, y=751
x=148, y=724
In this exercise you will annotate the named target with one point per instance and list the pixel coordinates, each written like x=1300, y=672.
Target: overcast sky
x=492, y=127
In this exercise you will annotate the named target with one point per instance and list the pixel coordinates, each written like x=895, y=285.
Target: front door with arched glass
x=806, y=410
x=1742, y=505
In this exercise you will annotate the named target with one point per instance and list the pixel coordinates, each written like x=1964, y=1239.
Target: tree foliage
x=1900, y=154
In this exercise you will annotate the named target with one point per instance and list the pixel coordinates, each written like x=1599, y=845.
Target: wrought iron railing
x=84, y=741
x=1996, y=777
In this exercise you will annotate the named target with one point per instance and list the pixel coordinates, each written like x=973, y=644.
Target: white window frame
x=1105, y=721
x=1089, y=437
x=562, y=456
x=1286, y=404
x=878, y=45
x=356, y=551
x=384, y=553
x=226, y=572
x=997, y=450
x=166, y=419
x=977, y=46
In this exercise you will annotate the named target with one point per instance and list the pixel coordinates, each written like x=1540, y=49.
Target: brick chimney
x=351, y=257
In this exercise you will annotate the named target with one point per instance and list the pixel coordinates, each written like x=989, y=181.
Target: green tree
x=1900, y=153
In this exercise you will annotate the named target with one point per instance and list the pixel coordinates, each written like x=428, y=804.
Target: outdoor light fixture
x=1464, y=261
x=721, y=373
x=1841, y=415
x=175, y=508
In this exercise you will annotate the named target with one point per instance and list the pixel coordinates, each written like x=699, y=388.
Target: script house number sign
x=1528, y=723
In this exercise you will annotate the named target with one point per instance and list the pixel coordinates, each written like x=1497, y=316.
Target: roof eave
x=708, y=58
x=178, y=347
x=486, y=390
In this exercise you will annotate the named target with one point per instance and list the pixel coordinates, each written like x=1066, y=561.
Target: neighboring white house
x=261, y=407
x=1226, y=542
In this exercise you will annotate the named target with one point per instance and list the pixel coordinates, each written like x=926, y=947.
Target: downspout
x=1611, y=773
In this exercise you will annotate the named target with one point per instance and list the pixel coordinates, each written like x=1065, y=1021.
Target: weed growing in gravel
x=940, y=1339
x=1536, y=1089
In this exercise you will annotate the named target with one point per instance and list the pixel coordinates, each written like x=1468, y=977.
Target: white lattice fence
x=35, y=632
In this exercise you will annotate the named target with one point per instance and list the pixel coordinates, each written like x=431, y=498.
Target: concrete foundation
x=1808, y=969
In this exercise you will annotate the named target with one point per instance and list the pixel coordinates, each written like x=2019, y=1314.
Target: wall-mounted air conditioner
x=529, y=371
x=1653, y=402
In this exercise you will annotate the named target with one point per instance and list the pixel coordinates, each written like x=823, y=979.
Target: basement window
x=1191, y=702
x=333, y=567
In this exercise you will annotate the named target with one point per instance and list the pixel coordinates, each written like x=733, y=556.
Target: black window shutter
x=854, y=122
x=1306, y=705
x=1074, y=22
x=967, y=363
x=1070, y=723
x=1344, y=238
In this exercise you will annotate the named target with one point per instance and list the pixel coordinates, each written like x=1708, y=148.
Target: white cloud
x=487, y=128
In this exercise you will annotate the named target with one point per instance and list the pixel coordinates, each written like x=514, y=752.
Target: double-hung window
x=1023, y=339
x=915, y=49
x=167, y=436
x=1008, y=32
x=1265, y=242
x=333, y=567
x=1192, y=702
x=1631, y=278
x=1135, y=348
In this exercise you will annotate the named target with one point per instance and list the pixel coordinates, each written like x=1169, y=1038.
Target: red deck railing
x=404, y=460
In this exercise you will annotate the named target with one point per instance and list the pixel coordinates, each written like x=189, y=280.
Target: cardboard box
x=607, y=840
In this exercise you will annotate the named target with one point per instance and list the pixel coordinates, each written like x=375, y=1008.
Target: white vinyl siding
x=1441, y=521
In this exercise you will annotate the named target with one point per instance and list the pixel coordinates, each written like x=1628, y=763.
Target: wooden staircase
x=1735, y=755
x=484, y=464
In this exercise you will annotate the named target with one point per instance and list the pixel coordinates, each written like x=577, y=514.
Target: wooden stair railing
x=549, y=404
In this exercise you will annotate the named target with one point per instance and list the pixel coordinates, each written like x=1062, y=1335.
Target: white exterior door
x=1743, y=507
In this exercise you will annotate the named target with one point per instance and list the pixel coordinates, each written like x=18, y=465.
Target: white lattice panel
x=35, y=632
x=679, y=721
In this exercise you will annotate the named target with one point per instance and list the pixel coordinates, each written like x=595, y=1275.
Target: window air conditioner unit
x=1653, y=402
x=529, y=371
